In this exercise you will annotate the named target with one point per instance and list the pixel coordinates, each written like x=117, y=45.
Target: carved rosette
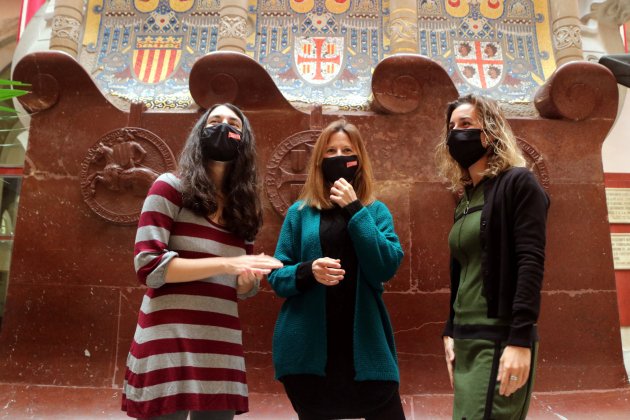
x=118, y=171
x=286, y=170
x=403, y=30
x=567, y=37
x=233, y=27
x=66, y=27
x=535, y=162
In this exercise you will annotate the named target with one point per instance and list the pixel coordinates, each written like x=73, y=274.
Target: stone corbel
x=226, y=76
x=578, y=90
x=402, y=82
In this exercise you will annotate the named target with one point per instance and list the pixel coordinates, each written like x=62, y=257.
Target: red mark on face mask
x=351, y=164
x=234, y=136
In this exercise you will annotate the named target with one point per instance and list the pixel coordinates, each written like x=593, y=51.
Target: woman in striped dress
x=497, y=247
x=193, y=251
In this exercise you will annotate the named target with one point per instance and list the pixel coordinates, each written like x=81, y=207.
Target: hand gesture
x=248, y=279
x=450, y=356
x=342, y=193
x=251, y=265
x=513, y=369
x=327, y=271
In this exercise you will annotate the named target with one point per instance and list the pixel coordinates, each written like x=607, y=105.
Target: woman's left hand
x=513, y=369
x=248, y=279
x=342, y=193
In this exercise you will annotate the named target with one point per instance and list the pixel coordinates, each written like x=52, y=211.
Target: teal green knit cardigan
x=299, y=338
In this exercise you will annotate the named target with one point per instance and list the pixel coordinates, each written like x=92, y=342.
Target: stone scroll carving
x=118, y=171
x=225, y=76
x=401, y=84
x=286, y=170
x=577, y=91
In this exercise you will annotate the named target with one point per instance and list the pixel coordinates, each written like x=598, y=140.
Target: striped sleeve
x=151, y=253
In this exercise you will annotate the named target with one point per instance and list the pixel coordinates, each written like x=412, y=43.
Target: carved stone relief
x=286, y=169
x=66, y=27
x=402, y=29
x=118, y=171
x=233, y=27
x=567, y=36
x=535, y=162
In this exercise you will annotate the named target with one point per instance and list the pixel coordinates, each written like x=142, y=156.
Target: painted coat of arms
x=318, y=59
x=143, y=50
x=499, y=48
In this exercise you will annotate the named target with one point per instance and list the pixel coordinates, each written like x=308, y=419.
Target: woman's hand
x=251, y=265
x=450, y=356
x=342, y=193
x=247, y=280
x=327, y=271
x=513, y=369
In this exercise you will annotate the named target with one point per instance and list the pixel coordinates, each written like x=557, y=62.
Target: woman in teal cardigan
x=333, y=345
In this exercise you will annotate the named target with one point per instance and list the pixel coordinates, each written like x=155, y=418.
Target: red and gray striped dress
x=187, y=352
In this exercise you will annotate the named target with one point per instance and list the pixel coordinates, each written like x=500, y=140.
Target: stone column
x=566, y=33
x=66, y=26
x=403, y=26
x=233, y=28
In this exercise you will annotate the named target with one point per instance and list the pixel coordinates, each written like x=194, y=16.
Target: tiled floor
x=64, y=403
x=19, y=401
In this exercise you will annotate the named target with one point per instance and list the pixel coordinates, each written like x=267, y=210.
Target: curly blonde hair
x=505, y=152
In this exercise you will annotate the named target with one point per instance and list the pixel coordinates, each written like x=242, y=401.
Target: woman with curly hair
x=497, y=247
x=193, y=251
x=333, y=344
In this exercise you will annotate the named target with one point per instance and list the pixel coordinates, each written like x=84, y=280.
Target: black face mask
x=465, y=146
x=340, y=167
x=220, y=142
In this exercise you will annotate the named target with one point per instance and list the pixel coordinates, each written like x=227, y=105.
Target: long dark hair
x=242, y=211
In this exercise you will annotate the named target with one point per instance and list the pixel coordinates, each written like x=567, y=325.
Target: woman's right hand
x=328, y=271
x=260, y=264
x=450, y=356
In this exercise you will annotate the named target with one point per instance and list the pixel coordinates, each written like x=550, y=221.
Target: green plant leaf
x=7, y=109
x=12, y=83
x=11, y=93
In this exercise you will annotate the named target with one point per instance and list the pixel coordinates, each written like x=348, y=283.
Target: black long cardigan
x=513, y=225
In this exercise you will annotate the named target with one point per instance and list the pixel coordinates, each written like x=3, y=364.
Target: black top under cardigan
x=337, y=395
x=513, y=226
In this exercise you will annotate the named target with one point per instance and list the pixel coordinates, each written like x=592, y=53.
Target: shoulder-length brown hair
x=316, y=192
x=505, y=151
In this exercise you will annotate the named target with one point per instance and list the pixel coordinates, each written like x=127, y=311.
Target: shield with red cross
x=480, y=63
x=318, y=59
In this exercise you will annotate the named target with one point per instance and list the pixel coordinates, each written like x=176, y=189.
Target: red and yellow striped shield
x=156, y=57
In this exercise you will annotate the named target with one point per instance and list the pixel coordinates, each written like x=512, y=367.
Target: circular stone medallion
x=286, y=169
x=118, y=171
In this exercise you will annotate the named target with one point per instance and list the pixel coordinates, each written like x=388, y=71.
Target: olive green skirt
x=476, y=388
